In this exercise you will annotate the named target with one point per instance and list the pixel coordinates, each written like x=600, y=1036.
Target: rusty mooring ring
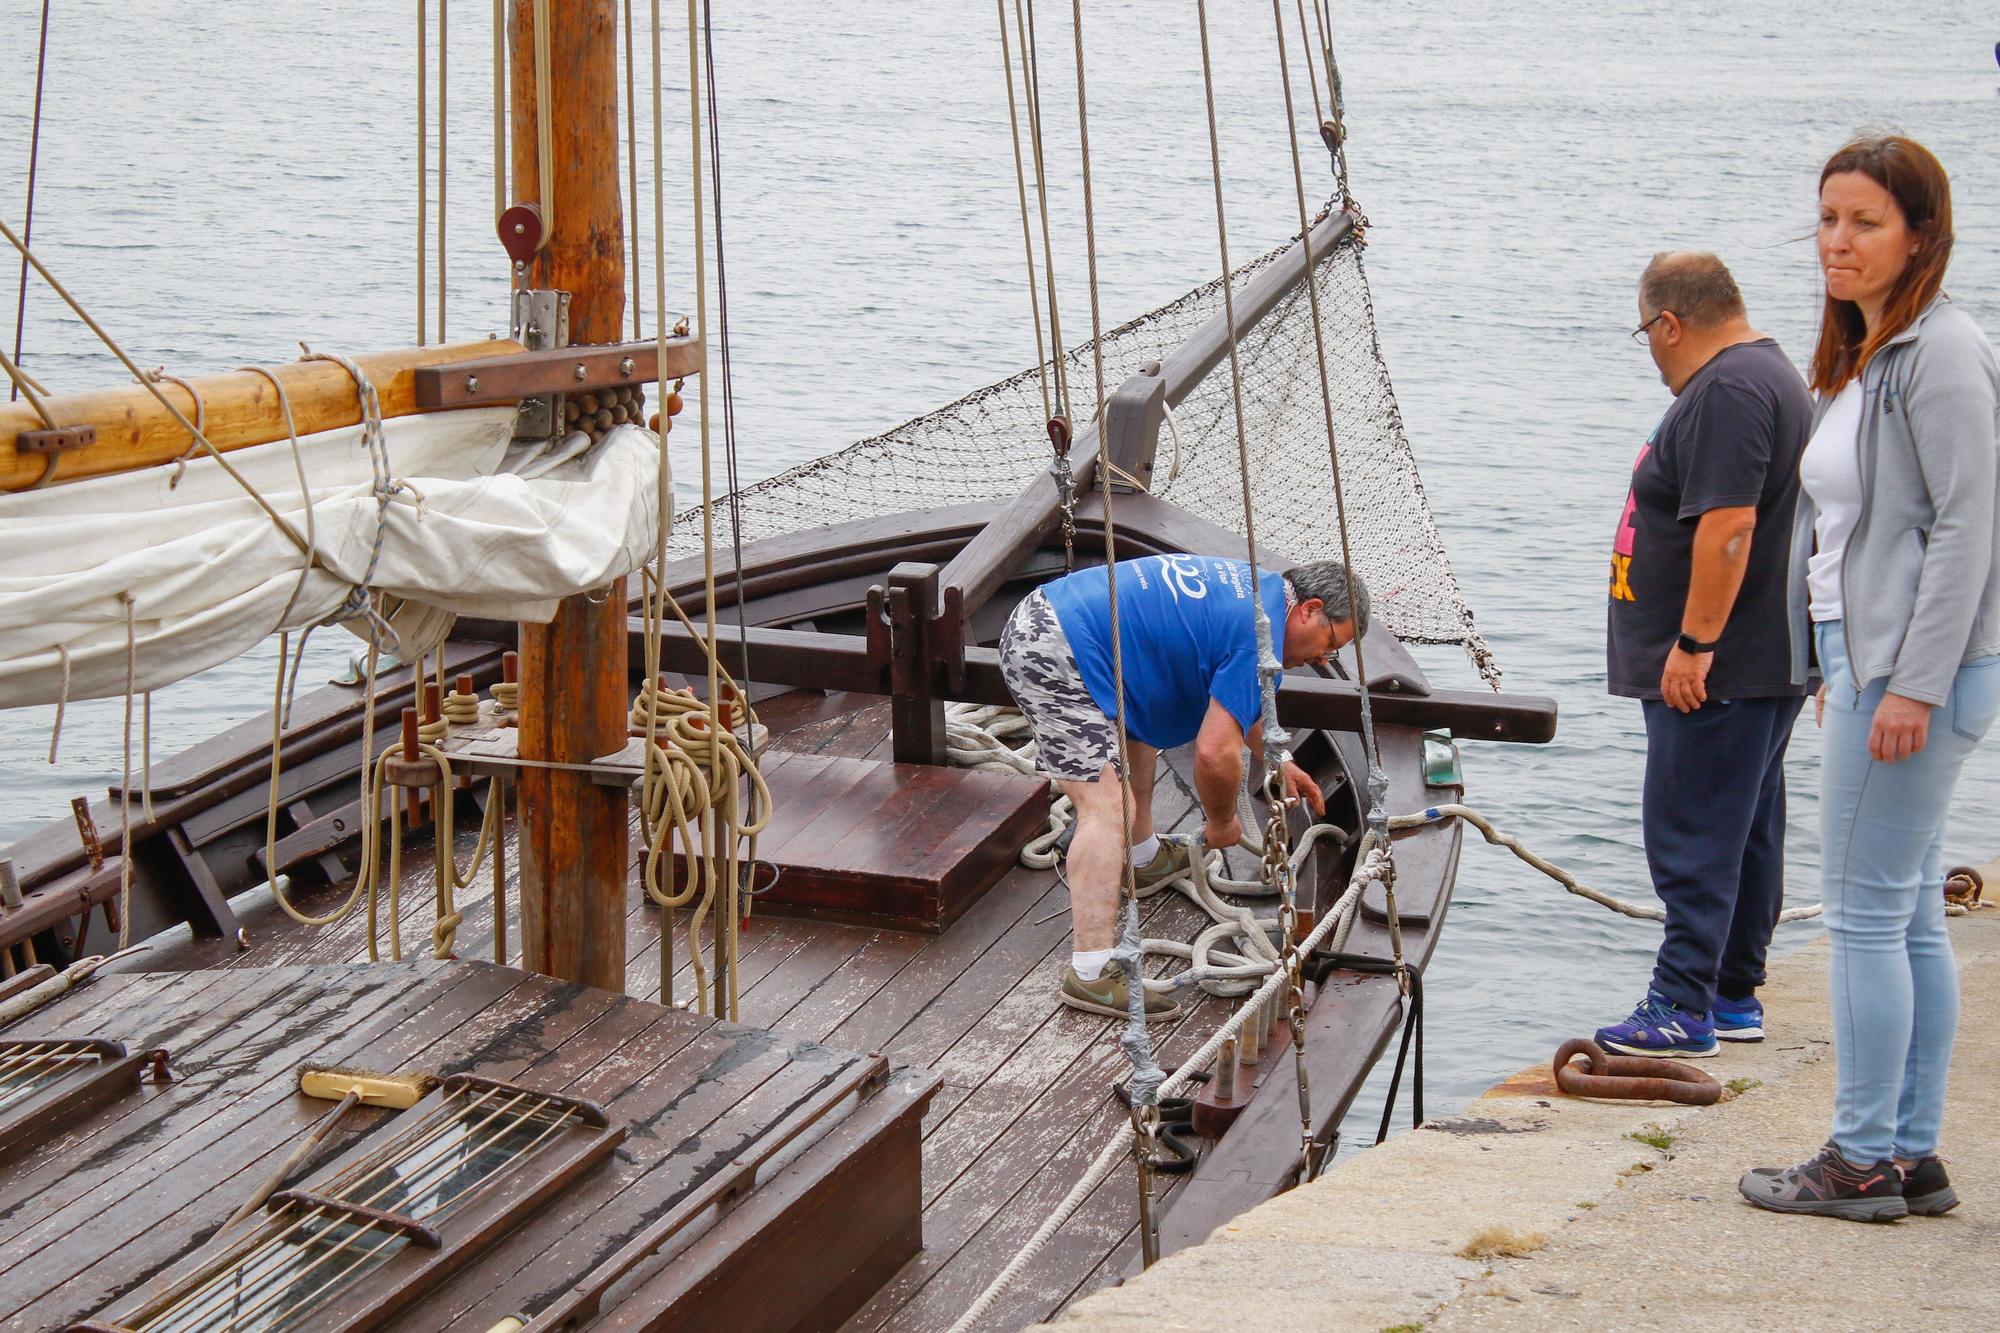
x=1635, y=1078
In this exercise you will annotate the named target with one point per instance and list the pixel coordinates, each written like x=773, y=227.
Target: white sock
x=1089, y=963
x=1144, y=852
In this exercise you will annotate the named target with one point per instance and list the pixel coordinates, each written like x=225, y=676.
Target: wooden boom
x=239, y=407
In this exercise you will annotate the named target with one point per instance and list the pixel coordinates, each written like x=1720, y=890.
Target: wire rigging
x=28, y=213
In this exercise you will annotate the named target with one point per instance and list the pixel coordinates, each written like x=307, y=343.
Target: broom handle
x=298, y=1154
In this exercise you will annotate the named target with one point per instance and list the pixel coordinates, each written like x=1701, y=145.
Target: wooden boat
x=899, y=1102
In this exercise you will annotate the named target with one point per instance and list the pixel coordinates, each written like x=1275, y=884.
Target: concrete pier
x=1531, y=1210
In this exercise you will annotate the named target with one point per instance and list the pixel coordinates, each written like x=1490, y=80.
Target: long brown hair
x=1916, y=181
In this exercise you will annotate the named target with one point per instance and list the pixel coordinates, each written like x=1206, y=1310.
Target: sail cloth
x=477, y=530
x=992, y=442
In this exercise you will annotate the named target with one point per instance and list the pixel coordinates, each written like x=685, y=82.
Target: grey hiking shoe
x=1927, y=1190
x=1829, y=1186
x=1170, y=860
x=1106, y=995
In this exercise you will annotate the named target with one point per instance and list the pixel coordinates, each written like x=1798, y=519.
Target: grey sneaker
x=1927, y=1190
x=1106, y=995
x=1170, y=860
x=1830, y=1186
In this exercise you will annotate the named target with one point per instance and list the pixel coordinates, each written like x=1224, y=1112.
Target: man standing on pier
x=1698, y=634
x=1187, y=627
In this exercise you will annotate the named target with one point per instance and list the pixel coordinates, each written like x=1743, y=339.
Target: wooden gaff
x=239, y=409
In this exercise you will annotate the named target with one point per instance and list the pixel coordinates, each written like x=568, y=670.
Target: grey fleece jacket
x=1920, y=583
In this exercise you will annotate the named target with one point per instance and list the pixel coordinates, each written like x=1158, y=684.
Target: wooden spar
x=1019, y=530
x=240, y=408
x=574, y=836
x=834, y=662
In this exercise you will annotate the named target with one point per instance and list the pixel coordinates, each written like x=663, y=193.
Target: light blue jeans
x=1895, y=984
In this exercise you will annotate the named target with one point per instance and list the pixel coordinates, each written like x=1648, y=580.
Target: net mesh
x=992, y=442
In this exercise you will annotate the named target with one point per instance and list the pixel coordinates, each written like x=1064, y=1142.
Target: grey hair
x=1326, y=580
x=1694, y=284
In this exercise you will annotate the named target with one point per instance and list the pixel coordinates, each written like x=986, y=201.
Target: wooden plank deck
x=100, y=1207
x=1025, y=1100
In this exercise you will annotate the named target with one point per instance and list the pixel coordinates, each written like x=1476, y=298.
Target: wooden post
x=916, y=709
x=574, y=838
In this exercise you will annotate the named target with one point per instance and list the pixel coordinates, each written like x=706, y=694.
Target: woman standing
x=1894, y=557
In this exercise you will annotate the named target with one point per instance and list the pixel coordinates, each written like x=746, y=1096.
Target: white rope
x=1637, y=911
x=1231, y=955
x=1333, y=927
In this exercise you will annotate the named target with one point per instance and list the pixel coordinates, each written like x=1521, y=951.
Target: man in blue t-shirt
x=1697, y=632
x=1188, y=633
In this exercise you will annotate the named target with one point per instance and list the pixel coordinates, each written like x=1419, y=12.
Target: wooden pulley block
x=521, y=232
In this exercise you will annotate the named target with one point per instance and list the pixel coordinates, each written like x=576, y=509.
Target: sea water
x=219, y=182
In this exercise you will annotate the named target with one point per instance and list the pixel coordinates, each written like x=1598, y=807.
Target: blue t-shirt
x=1189, y=634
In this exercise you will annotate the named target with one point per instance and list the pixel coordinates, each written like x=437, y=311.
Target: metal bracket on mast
x=541, y=322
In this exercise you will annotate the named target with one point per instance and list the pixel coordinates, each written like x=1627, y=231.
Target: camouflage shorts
x=1072, y=735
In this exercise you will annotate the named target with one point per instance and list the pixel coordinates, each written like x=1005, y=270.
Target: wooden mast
x=574, y=838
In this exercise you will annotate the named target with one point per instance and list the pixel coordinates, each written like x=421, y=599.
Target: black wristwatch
x=1689, y=644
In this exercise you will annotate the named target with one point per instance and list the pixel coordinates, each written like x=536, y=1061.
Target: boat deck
x=1025, y=1100
x=1027, y=1083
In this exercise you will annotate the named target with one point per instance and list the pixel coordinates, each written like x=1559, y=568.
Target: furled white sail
x=197, y=572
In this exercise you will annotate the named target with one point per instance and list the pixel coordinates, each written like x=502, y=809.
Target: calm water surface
x=220, y=182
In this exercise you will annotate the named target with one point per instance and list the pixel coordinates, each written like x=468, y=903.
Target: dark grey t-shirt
x=1732, y=438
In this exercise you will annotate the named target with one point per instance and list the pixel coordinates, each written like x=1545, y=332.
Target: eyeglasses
x=1639, y=334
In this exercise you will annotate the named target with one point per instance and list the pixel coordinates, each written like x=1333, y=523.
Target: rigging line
x=1274, y=740
x=151, y=387
x=423, y=164
x=1031, y=78
x=1146, y=1074
x=1378, y=781
x=1305, y=39
x=1326, y=400
x=725, y=925
x=28, y=212
x=1267, y=660
x=632, y=172
x=444, y=90
x=499, y=108
x=728, y=382
x=125, y=785
x=23, y=384
x=545, y=150
x=1335, y=99
x=655, y=773
x=1021, y=190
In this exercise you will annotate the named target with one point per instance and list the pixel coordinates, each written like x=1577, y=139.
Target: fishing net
x=990, y=443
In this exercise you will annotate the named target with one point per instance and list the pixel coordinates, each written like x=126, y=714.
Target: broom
x=347, y=1088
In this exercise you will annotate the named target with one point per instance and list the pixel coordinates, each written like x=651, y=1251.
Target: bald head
x=1695, y=285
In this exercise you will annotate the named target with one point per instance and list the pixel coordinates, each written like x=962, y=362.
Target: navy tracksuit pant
x=1714, y=820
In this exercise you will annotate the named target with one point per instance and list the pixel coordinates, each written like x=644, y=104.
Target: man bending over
x=1190, y=665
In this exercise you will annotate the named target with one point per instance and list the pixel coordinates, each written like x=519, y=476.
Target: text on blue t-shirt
x=1189, y=635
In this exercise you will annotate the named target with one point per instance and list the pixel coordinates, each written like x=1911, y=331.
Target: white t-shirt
x=1830, y=471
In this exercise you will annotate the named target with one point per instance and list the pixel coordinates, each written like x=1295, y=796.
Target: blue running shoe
x=1738, y=1020
x=1657, y=1027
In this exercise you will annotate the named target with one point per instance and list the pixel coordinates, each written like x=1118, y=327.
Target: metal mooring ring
x=1631, y=1077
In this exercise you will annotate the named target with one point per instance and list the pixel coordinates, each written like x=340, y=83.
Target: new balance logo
x=1674, y=1030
